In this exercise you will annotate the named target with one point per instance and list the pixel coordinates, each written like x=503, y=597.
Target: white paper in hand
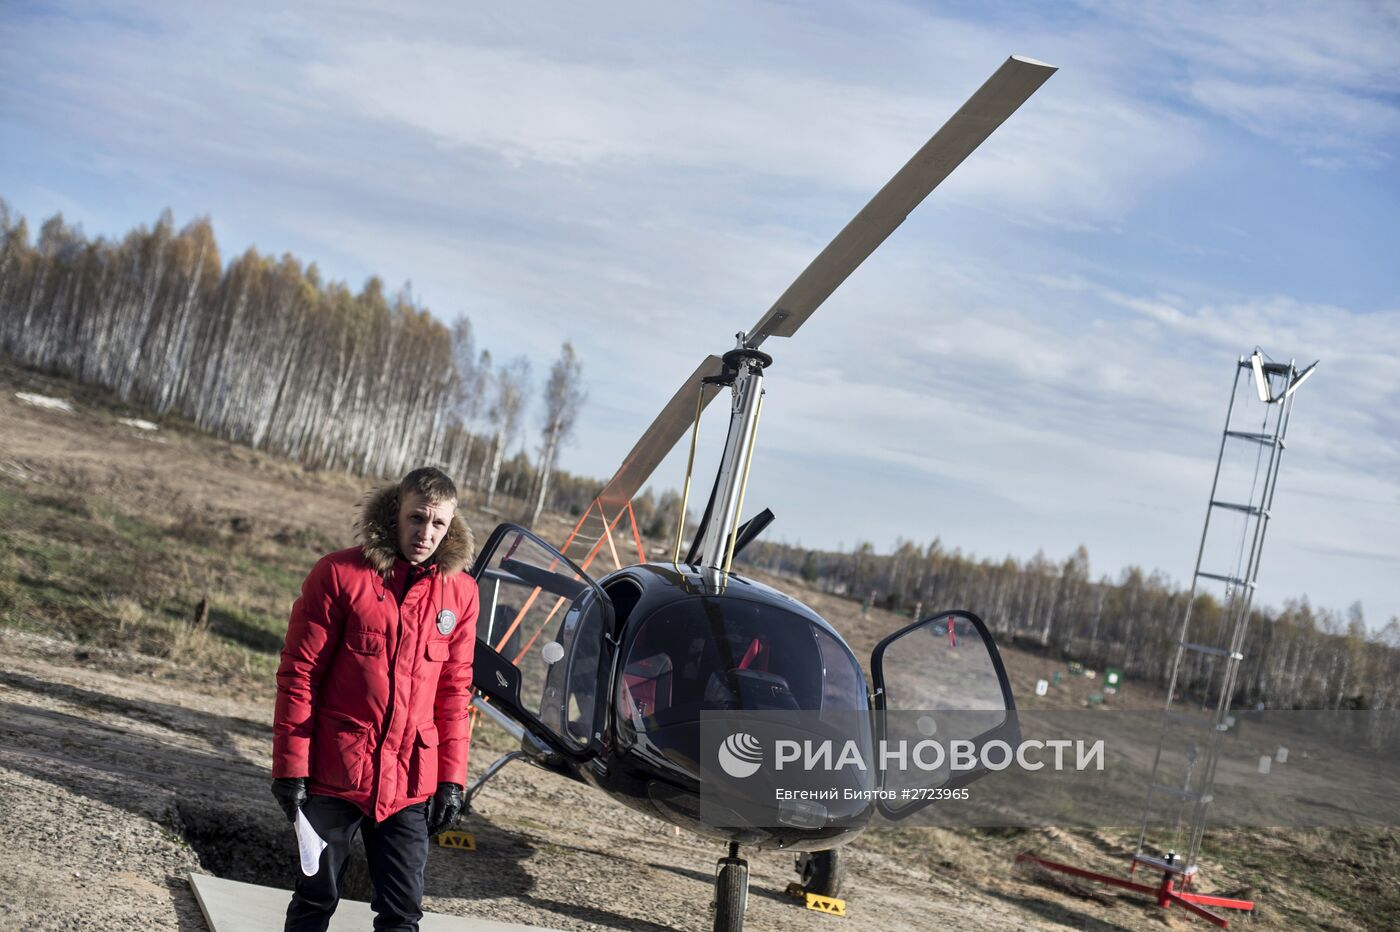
x=310, y=844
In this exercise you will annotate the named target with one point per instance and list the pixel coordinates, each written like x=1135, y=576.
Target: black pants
x=397, y=850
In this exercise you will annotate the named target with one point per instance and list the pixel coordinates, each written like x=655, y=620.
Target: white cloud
x=1075, y=157
x=527, y=106
x=1351, y=44
x=1319, y=77
x=1331, y=126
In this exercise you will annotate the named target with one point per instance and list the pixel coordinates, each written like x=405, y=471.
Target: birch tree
x=564, y=394
x=508, y=399
x=467, y=399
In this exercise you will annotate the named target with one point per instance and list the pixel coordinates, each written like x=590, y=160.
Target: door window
x=939, y=680
x=547, y=618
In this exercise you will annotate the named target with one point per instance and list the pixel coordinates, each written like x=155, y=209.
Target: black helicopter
x=606, y=680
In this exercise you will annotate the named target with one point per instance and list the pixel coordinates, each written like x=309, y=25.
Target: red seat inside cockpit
x=647, y=686
x=756, y=657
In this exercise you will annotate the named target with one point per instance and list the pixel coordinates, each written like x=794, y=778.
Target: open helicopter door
x=543, y=641
x=939, y=683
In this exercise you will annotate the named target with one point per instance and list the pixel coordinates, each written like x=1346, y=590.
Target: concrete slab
x=231, y=906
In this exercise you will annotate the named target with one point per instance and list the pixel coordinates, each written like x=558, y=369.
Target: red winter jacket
x=372, y=696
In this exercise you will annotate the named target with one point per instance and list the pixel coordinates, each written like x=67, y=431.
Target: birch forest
x=1296, y=657
x=264, y=352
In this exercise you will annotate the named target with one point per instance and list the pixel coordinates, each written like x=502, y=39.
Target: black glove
x=446, y=805
x=290, y=793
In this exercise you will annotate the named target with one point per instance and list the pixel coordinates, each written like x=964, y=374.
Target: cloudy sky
x=1040, y=357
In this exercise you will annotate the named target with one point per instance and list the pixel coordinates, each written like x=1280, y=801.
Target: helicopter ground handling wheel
x=822, y=872
x=731, y=891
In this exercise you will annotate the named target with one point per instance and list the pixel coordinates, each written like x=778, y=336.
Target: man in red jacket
x=371, y=728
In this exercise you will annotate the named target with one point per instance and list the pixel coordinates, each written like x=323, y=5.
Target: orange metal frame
x=608, y=527
x=607, y=535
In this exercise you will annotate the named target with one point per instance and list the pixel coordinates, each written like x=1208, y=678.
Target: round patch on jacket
x=446, y=621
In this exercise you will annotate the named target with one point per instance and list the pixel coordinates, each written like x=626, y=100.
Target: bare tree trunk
x=495, y=476
x=546, y=466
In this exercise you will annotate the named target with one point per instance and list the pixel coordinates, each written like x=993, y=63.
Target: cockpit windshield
x=731, y=654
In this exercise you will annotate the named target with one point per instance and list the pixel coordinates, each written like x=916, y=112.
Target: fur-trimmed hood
x=378, y=535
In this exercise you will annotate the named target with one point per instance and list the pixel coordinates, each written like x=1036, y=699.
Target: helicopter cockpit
x=680, y=656
x=615, y=679
x=731, y=655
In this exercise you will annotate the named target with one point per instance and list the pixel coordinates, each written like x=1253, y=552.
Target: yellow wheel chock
x=830, y=905
x=464, y=840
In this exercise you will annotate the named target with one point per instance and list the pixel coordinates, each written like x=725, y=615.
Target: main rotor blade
x=1012, y=84
x=670, y=425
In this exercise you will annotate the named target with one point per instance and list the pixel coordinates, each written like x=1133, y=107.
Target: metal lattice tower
x=1206, y=666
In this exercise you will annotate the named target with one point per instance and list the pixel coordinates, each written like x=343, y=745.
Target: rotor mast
x=747, y=364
